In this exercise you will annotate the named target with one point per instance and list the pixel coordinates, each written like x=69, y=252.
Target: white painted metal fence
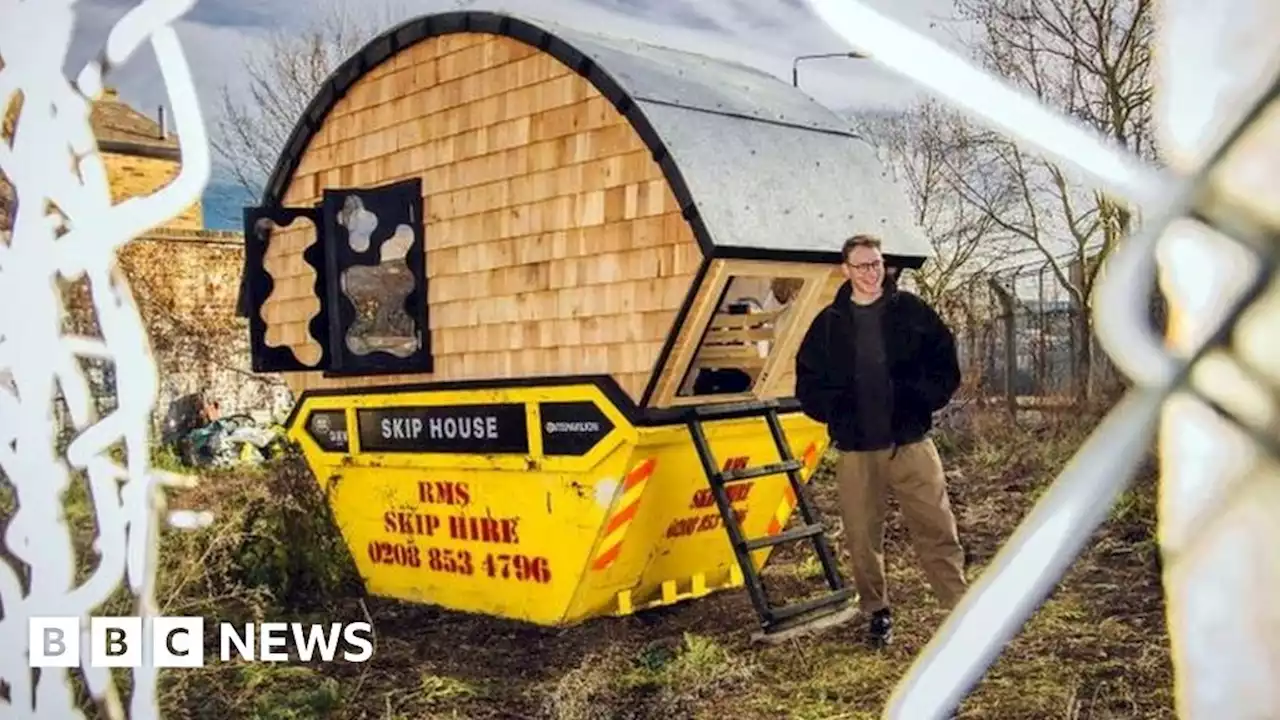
x=1209, y=397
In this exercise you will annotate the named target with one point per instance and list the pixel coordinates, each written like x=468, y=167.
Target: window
x=282, y=271
x=379, y=293
x=370, y=265
x=751, y=318
x=737, y=341
x=377, y=279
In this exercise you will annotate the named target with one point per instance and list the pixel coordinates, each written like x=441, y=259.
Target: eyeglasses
x=867, y=266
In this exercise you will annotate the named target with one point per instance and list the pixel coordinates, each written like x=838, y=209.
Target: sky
x=217, y=34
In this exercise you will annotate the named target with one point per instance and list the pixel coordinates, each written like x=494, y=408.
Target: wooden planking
x=595, y=330
x=686, y=344
x=782, y=383
x=562, y=272
x=777, y=371
x=554, y=245
x=292, y=302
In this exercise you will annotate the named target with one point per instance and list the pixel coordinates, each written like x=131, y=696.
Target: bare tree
x=281, y=79
x=928, y=147
x=1090, y=59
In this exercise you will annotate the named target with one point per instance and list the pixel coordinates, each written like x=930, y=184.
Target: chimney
x=163, y=133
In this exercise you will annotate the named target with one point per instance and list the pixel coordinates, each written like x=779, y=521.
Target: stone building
x=183, y=277
x=140, y=153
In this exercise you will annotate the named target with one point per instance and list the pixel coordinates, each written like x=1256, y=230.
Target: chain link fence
x=1025, y=341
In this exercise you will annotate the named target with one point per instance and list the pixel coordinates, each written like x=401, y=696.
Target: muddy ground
x=1097, y=648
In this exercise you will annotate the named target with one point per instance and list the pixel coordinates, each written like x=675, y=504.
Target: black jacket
x=923, y=368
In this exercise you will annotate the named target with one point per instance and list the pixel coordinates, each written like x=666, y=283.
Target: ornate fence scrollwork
x=66, y=230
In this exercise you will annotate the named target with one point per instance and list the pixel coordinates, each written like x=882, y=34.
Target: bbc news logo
x=180, y=642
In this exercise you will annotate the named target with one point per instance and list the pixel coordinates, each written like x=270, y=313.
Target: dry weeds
x=1096, y=649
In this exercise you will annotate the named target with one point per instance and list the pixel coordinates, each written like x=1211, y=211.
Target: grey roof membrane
x=767, y=166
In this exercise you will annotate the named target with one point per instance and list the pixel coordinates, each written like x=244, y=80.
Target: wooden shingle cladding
x=554, y=245
x=584, y=197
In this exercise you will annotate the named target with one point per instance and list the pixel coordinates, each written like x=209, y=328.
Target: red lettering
x=489, y=530
x=735, y=463
x=518, y=567
x=682, y=527
x=445, y=560
x=438, y=559
x=388, y=553
x=443, y=493
x=407, y=523
x=736, y=493
x=702, y=498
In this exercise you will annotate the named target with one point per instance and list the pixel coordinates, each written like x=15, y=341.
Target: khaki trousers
x=914, y=474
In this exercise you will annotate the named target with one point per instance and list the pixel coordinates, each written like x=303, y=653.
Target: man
x=874, y=366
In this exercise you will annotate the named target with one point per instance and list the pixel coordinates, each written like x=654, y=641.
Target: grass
x=1097, y=648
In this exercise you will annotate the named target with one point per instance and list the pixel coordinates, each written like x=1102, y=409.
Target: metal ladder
x=773, y=619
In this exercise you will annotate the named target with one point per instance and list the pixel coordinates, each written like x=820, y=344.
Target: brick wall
x=132, y=175
x=185, y=285
x=185, y=282
x=186, y=288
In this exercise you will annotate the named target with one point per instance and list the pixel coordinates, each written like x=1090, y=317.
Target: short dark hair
x=857, y=241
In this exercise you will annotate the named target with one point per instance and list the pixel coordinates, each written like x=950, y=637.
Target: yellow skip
x=549, y=504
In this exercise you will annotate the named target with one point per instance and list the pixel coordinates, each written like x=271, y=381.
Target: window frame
x=692, y=333
x=328, y=259
x=344, y=362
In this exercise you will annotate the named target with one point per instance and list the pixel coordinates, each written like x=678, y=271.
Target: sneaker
x=881, y=628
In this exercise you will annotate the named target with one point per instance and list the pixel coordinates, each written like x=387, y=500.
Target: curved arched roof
x=759, y=168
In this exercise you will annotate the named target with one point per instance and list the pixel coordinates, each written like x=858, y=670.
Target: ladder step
x=821, y=601
x=752, y=407
x=800, y=533
x=763, y=470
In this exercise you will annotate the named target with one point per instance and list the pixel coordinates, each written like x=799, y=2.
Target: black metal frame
x=258, y=284
x=395, y=204
x=328, y=256
x=635, y=414
x=772, y=619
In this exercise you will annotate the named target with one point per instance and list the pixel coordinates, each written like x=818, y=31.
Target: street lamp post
x=795, y=63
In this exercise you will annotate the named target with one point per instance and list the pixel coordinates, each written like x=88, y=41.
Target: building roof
x=757, y=164
x=767, y=166
x=760, y=169
x=121, y=129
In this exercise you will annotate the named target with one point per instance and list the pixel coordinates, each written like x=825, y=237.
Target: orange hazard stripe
x=615, y=529
x=808, y=455
x=788, y=503
x=622, y=518
x=640, y=474
x=606, y=559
